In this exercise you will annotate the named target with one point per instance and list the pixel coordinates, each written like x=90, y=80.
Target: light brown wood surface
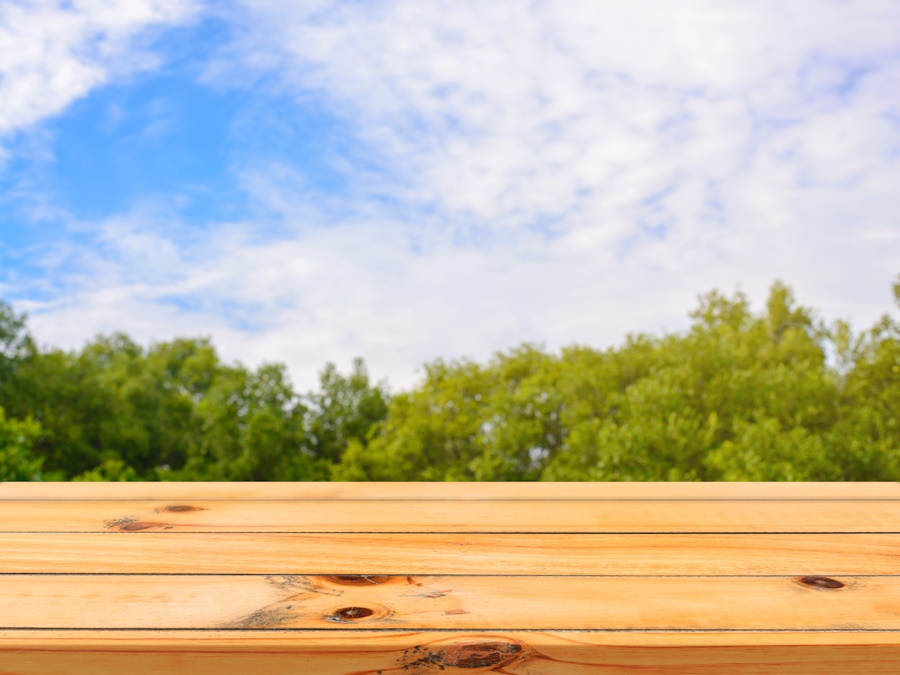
x=449, y=602
x=486, y=516
x=453, y=491
x=532, y=579
x=343, y=553
x=410, y=652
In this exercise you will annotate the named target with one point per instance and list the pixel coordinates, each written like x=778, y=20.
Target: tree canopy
x=742, y=395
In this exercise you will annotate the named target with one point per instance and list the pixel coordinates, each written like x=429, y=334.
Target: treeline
x=773, y=395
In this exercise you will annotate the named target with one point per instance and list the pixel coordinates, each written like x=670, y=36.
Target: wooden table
x=532, y=579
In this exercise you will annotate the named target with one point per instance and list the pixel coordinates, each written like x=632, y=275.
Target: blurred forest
x=773, y=395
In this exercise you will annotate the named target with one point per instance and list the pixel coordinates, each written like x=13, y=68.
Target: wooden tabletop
x=379, y=578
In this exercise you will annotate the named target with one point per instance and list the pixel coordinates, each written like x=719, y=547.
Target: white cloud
x=555, y=171
x=510, y=110
x=53, y=52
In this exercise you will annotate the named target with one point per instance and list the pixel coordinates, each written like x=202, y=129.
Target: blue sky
x=312, y=181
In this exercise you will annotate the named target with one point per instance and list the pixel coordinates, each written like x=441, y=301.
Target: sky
x=311, y=181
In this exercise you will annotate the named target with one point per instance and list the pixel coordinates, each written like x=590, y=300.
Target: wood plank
x=444, y=516
x=518, y=653
x=444, y=491
x=449, y=602
x=401, y=554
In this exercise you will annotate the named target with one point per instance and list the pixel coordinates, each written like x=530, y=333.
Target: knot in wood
x=358, y=579
x=491, y=654
x=821, y=582
x=349, y=614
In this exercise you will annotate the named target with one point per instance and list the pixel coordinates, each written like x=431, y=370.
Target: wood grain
x=523, y=579
x=400, y=554
x=445, y=491
x=517, y=653
x=597, y=517
x=450, y=602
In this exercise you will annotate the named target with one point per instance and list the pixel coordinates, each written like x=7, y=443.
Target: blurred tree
x=739, y=396
x=251, y=428
x=16, y=343
x=343, y=410
x=428, y=434
x=17, y=461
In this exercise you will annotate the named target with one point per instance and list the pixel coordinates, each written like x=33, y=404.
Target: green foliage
x=174, y=411
x=16, y=344
x=738, y=397
x=250, y=427
x=774, y=395
x=17, y=461
x=343, y=410
x=109, y=470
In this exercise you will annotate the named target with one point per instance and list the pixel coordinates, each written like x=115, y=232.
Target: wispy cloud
x=53, y=52
x=515, y=111
x=522, y=171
